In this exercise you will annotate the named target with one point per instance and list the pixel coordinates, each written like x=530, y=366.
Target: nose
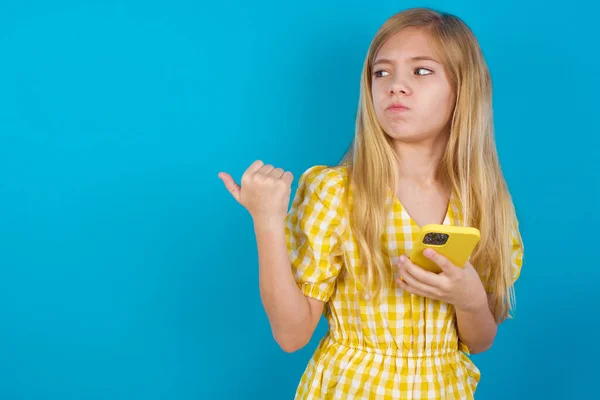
x=399, y=86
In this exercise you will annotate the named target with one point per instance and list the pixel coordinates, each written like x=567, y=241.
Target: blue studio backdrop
x=128, y=272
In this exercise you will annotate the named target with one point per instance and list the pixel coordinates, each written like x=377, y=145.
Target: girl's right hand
x=265, y=191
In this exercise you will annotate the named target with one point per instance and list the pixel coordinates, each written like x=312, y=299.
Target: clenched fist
x=265, y=191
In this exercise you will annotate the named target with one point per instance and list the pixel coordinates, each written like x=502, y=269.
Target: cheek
x=378, y=98
x=447, y=97
x=441, y=105
x=379, y=103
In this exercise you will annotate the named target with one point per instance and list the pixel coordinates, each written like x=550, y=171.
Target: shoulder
x=325, y=175
x=325, y=182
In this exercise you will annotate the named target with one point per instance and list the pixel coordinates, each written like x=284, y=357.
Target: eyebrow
x=418, y=58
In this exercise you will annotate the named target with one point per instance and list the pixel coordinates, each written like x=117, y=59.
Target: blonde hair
x=470, y=165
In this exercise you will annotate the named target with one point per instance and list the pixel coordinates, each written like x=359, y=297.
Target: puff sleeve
x=515, y=261
x=517, y=252
x=312, y=229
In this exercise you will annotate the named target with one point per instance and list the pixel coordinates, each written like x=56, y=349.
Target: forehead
x=408, y=43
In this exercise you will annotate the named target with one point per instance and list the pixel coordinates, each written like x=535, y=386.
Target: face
x=412, y=95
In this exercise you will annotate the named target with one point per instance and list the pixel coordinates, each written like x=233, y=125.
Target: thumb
x=230, y=185
x=446, y=265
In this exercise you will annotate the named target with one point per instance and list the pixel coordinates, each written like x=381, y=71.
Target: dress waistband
x=403, y=352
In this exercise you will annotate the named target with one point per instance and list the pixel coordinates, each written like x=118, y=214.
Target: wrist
x=267, y=222
x=475, y=306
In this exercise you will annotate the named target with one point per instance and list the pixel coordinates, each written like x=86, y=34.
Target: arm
x=460, y=287
x=476, y=327
x=265, y=193
x=293, y=316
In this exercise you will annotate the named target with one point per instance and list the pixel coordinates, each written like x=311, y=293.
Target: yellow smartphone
x=456, y=243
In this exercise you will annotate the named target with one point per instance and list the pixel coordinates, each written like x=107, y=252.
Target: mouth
x=397, y=107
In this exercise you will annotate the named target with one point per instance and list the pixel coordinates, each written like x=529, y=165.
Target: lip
x=397, y=107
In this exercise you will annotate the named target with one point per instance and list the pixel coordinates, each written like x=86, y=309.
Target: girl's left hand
x=460, y=287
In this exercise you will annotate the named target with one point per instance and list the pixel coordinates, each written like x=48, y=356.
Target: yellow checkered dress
x=407, y=346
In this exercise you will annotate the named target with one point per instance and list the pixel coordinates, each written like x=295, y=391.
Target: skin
x=265, y=193
x=413, y=77
x=407, y=70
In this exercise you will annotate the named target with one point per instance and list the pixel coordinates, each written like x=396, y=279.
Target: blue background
x=126, y=269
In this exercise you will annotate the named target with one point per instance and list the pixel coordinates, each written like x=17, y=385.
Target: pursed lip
x=397, y=107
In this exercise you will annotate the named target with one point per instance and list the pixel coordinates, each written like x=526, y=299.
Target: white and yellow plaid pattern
x=405, y=347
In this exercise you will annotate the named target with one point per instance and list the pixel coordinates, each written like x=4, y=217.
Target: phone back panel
x=461, y=242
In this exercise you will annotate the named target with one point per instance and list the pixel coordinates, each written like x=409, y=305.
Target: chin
x=414, y=136
x=407, y=137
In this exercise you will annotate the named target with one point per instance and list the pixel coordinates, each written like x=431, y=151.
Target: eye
x=378, y=73
x=427, y=71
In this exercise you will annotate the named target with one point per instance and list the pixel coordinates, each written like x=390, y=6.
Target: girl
x=423, y=153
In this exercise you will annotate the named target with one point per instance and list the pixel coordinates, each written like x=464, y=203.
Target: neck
x=419, y=162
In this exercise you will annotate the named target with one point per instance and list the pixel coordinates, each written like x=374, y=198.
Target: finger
x=255, y=166
x=230, y=185
x=276, y=173
x=445, y=264
x=409, y=288
x=422, y=275
x=288, y=178
x=409, y=278
x=265, y=170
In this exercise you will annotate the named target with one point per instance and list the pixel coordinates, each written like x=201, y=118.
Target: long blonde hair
x=470, y=165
